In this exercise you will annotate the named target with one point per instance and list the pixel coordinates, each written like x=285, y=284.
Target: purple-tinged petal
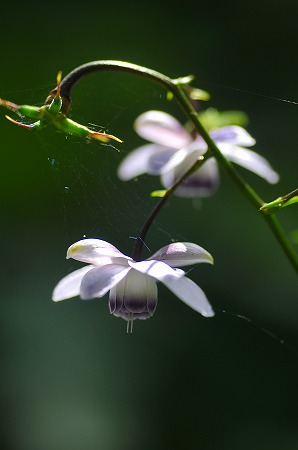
x=191, y=294
x=156, y=269
x=181, y=286
x=201, y=183
x=162, y=128
x=137, y=162
x=135, y=297
x=69, y=286
x=159, y=160
x=182, y=254
x=251, y=161
x=97, y=252
x=181, y=161
x=233, y=135
x=146, y=159
x=98, y=281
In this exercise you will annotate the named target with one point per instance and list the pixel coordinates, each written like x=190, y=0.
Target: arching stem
x=136, y=255
x=176, y=87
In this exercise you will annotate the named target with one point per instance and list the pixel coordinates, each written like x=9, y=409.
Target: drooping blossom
x=133, y=285
x=174, y=150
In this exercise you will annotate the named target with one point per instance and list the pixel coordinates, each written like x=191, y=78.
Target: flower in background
x=174, y=150
x=133, y=285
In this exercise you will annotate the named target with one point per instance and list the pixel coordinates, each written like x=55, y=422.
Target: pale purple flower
x=133, y=285
x=174, y=150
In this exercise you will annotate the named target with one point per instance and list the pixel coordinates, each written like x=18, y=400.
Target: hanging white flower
x=174, y=150
x=133, y=285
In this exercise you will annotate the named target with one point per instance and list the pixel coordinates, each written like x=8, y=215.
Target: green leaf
x=199, y=94
x=161, y=193
x=184, y=80
x=291, y=201
x=279, y=203
x=212, y=118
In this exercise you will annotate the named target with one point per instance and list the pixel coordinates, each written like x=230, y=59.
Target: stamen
x=129, y=326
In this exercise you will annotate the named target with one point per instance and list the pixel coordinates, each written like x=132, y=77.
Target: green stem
x=281, y=237
x=194, y=117
x=176, y=88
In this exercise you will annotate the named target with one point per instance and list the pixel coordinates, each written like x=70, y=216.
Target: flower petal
x=182, y=254
x=156, y=269
x=191, y=294
x=175, y=280
x=162, y=128
x=251, y=161
x=201, y=183
x=146, y=159
x=137, y=161
x=134, y=297
x=97, y=252
x=98, y=281
x=158, y=161
x=233, y=135
x=182, y=161
x=69, y=286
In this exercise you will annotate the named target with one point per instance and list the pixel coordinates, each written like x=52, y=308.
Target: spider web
x=93, y=202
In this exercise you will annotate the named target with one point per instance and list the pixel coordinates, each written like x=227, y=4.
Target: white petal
x=233, y=135
x=97, y=252
x=158, y=161
x=137, y=162
x=191, y=294
x=201, y=183
x=136, y=293
x=98, y=281
x=156, y=269
x=69, y=286
x=175, y=280
x=182, y=254
x=198, y=144
x=162, y=128
x=182, y=160
x=251, y=161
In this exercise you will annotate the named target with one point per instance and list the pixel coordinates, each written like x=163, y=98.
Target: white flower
x=132, y=285
x=174, y=150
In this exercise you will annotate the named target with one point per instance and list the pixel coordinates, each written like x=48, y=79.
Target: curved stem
x=175, y=86
x=137, y=251
x=75, y=75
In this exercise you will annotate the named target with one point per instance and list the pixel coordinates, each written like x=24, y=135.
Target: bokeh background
x=71, y=378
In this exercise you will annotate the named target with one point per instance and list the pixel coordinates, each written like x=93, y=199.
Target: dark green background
x=71, y=378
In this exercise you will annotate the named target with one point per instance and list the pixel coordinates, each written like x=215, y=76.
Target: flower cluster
x=132, y=285
x=187, y=167
x=174, y=150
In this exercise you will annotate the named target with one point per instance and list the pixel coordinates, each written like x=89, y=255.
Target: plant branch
x=176, y=87
x=136, y=255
